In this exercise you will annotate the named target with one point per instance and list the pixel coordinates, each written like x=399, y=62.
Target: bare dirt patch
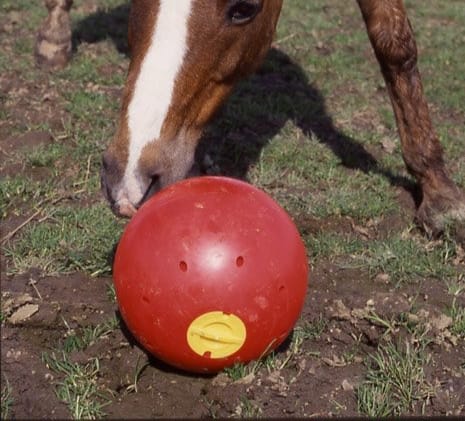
x=318, y=380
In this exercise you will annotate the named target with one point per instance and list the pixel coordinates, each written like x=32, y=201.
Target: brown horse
x=186, y=56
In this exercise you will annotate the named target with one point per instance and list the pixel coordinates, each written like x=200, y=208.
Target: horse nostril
x=105, y=188
x=110, y=175
x=106, y=161
x=153, y=187
x=111, y=168
x=111, y=163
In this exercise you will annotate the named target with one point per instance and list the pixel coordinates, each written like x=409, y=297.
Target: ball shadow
x=153, y=361
x=166, y=368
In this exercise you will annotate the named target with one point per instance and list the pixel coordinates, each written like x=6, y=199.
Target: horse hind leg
x=391, y=36
x=53, y=44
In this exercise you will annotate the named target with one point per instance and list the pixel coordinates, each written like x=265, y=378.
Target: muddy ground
x=318, y=381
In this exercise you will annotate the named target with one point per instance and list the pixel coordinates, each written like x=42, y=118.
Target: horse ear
x=240, y=12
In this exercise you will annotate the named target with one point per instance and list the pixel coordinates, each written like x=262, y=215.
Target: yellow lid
x=216, y=334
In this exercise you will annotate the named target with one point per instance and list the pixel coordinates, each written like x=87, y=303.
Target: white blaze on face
x=154, y=87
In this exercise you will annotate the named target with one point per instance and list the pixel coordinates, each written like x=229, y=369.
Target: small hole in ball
x=183, y=266
x=282, y=288
x=239, y=261
x=144, y=298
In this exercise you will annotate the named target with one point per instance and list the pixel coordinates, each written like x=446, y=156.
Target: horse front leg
x=53, y=44
x=394, y=44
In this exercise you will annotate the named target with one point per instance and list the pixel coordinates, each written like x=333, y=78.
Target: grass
x=6, y=400
x=78, y=341
x=248, y=409
x=79, y=388
x=408, y=259
x=404, y=259
x=136, y=376
x=69, y=239
x=331, y=245
x=456, y=310
x=395, y=383
x=46, y=156
x=304, y=331
x=295, y=163
x=237, y=371
x=19, y=191
x=86, y=69
x=111, y=292
x=457, y=313
x=325, y=189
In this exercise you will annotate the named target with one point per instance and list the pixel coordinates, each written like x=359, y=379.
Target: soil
x=320, y=380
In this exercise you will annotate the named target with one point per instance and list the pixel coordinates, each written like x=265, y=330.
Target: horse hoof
x=52, y=56
x=53, y=47
x=445, y=215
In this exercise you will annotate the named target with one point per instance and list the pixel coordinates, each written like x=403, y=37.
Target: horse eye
x=243, y=11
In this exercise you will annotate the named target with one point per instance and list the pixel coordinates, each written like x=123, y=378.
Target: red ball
x=210, y=271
